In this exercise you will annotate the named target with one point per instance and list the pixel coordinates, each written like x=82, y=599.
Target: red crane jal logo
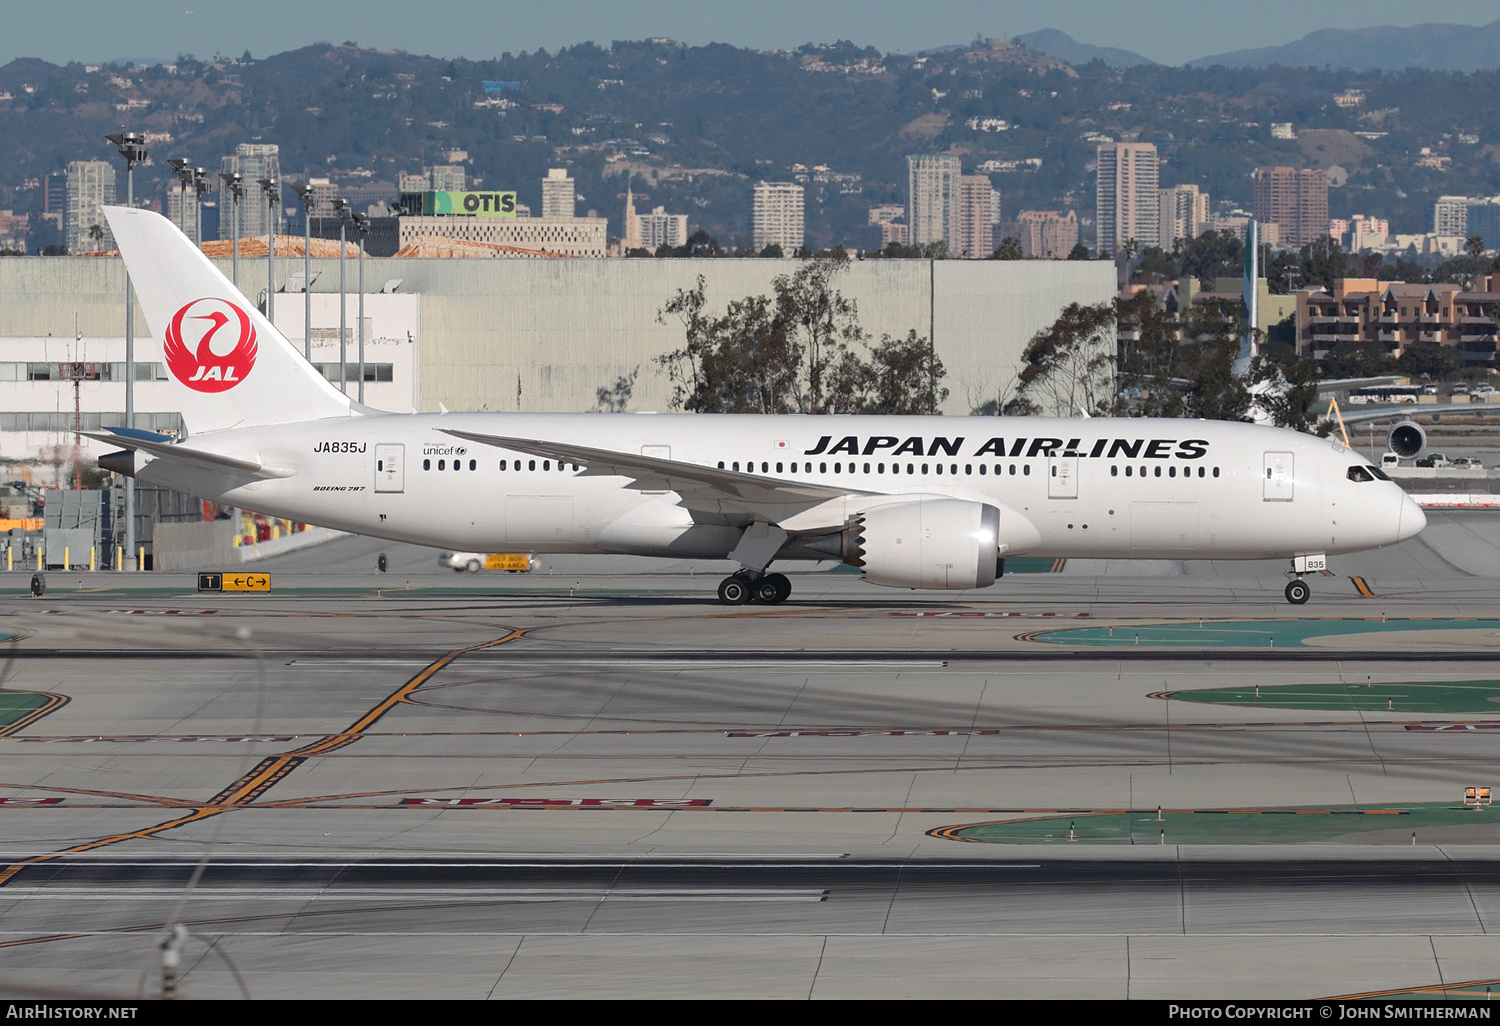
x=210, y=345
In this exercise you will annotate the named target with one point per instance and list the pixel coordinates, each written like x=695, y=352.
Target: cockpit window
x=1362, y=473
x=1379, y=474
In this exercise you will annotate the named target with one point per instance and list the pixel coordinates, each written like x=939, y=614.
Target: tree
x=1214, y=254
x=1474, y=246
x=1323, y=262
x=1070, y=367
x=1184, y=367
x=1286, y=388
x=906, y=375
x=1356, y=360
x=773, y=249
x=1431, y=360
x=1009, y=249
x=800, y=350
x=1078, y=252
x=96, y=235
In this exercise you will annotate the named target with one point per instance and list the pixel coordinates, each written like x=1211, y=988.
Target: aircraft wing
x=693, y=482
x=176, y=451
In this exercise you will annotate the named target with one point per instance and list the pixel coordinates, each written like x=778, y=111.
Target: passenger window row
x=506, y=464
x=877, y=468
x=1114, y=471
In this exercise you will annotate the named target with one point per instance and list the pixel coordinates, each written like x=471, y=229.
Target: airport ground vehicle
x=473, y=562
x=914, y=502
x=1433, y=459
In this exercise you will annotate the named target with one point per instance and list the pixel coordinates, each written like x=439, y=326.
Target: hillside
x=696, y=126
x=1432, y=47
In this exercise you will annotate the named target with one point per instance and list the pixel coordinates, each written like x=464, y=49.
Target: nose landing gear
x=767, y=589
x=1297, y=592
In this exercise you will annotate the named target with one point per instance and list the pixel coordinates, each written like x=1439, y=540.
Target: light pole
x=273, y=205
x=184, y=172
x=305, y=193
x=341, y=208
x=362, y=225
x=236, y=186
x=200, y=186
x=132, y=146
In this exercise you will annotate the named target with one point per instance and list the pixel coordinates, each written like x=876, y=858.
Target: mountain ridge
x=1432, y=46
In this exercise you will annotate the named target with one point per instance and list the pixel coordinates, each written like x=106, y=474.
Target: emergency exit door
x=390, y=469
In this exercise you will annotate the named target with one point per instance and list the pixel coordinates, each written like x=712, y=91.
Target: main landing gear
x=742, y=587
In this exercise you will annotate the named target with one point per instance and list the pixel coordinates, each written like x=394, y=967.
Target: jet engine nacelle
x=930, y=543
x=1406, y=439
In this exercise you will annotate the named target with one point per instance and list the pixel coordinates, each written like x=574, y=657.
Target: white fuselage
x=1109, y=488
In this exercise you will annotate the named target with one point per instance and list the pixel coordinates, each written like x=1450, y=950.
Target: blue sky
x=1171, y=31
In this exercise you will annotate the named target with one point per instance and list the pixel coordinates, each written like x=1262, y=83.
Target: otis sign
x=210, y=345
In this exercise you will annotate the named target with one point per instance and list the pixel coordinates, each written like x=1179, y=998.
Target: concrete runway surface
x=593, y=780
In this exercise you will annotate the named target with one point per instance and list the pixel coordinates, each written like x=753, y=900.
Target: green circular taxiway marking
x=1247, y=633
x=1476, y=696
x=1224, y=826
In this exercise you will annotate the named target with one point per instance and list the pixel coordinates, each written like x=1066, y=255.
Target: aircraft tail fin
x=228, y=364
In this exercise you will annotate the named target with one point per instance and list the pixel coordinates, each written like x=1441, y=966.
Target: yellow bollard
x=93, y=555
x=66, y=562
x=119, y=557
x=140, y=558
x=38, y=559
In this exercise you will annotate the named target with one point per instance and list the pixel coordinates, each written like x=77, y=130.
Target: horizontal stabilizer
x=180, y=453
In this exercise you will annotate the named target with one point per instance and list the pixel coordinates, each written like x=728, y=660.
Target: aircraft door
x=390, y=468
x=659, y=452
x=1279, y=480
x=1062, y=477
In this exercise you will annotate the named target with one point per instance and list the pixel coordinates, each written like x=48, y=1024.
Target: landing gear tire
x=1297, y=593
x=734, y=591
x=783, y=586
x=772, y=589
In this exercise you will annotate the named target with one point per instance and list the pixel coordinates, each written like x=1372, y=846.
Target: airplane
x=924, y=503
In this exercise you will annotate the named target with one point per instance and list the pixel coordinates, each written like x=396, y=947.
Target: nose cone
x=1411, y=520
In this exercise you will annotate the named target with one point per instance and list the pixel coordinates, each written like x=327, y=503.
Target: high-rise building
x=660, y=228
x=1294, y=199
x=558, y=195
x=324, y=192
x=932, y=193
x=1184, y=214
x=776, y=216
x=978, y=213
x=55, y=197
x=632, y=237
x=253, y=161
x=447, y=178
x=1483, y=219
x=91, y=186
x=1047, y=234
x=1450, y=216
x=1127, y=199
x=182, y=206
